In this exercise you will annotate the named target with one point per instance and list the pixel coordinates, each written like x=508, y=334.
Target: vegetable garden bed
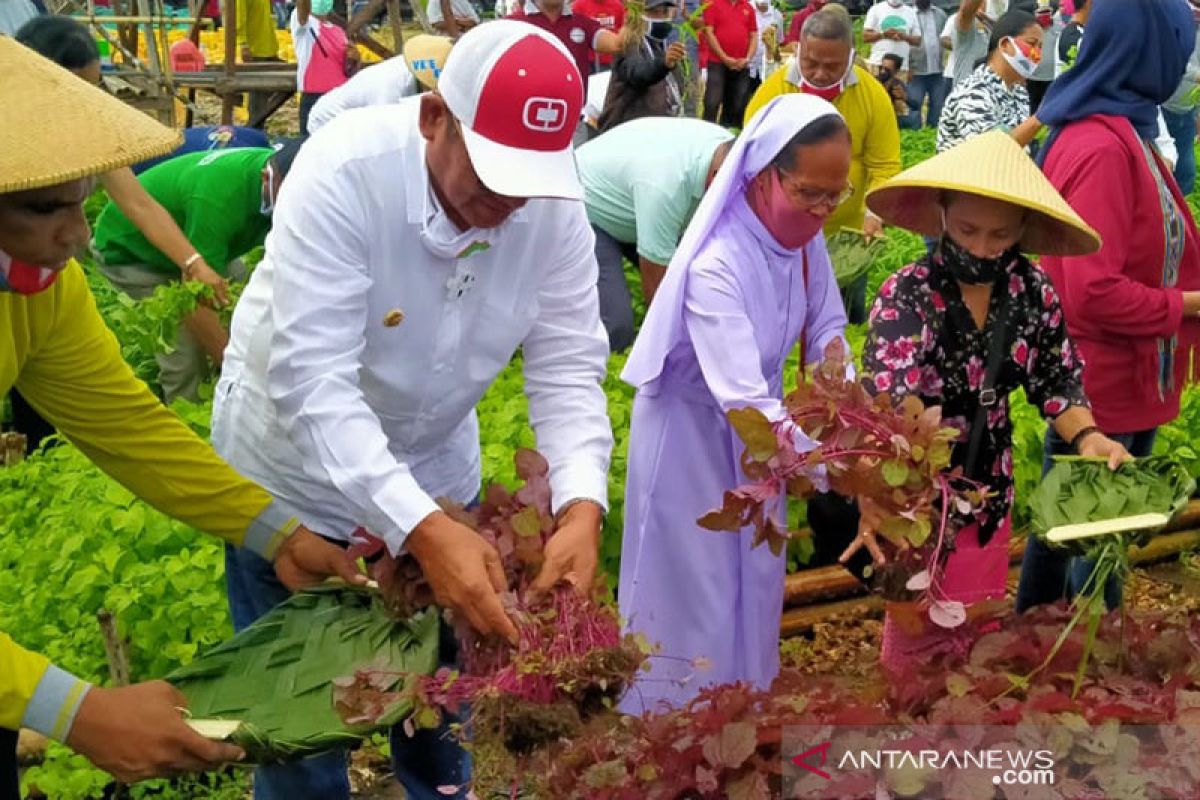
x=72, y=543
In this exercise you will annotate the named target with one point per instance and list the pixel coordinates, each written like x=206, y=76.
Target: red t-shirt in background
x=798, y=19
x=577, y=33
x=609, y=13
x=734, y=25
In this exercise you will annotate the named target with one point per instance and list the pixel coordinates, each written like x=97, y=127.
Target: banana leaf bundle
x=852, y=254
x=1092, y=511
x=1086, y=493
x=275, y=679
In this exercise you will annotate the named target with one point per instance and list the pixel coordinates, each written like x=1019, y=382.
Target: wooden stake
x=116, y=648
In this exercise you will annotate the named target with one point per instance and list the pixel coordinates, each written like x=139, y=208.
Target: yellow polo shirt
x=55, y=348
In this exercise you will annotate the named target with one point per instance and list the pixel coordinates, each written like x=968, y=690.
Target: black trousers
x=307, y=101
x=29, y=422
x=726, y=93
x=10, y=788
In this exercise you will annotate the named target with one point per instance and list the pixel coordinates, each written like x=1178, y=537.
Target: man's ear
x=433, y=115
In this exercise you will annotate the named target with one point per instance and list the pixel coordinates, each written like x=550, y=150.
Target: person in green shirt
x=222, y=201
x=642, y=181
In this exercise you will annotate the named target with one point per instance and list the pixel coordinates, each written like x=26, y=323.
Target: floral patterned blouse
x=924, y=341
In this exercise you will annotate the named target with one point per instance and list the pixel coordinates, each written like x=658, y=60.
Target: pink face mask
x=790, y=226
x=21, y=278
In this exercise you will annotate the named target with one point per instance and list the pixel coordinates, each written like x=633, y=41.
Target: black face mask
x=923, y=5
x=966, y=268
x=660, y=29
x=885, y=75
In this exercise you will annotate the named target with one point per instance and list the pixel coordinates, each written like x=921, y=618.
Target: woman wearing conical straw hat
x=970, y=323
x=55, y=349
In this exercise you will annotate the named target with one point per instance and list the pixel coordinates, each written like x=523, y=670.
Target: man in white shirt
x=925, y=64
x=966, y=36
x=768, y=17
x=462, y=18
x=389, y=81
x=891, y=29
x=419, y=246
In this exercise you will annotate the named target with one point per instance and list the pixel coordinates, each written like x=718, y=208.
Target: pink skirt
x=973, y=573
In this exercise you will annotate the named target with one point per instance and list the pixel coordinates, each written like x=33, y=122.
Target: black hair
x=1013, y=24
x=60, y=39
x=896, y=60
x=285, y=153
x=820, y=130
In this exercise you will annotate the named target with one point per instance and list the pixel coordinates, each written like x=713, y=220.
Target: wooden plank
x=801, y=619
x=277, y=101
x=822, y=583
x=359, y=20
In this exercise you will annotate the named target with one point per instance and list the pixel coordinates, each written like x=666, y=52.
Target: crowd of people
x=453, y=205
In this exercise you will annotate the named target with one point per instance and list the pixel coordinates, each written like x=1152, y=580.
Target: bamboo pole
x=801, y=618
x=393, y=10
x=231, y=55
x=823, y=583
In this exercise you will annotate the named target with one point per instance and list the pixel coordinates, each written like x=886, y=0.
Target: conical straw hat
x=426, y=55
x=57, y=127
x=990, y=165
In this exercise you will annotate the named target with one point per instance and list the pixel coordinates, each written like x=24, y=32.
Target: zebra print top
x=979, y=104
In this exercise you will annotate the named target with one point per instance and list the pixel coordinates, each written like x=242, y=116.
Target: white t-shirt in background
x=884, y=16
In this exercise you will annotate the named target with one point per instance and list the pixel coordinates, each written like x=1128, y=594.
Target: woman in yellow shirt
x=55, y=348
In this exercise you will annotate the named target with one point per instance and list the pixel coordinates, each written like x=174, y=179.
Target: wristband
x=1078, y=438
x=187, y=264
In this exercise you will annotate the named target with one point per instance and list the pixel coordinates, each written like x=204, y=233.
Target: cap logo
x=545, y=114
x=427, y=64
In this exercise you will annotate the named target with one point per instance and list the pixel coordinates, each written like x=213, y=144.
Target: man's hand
x=870, y=518
x=572, y=553
x=676, y=52
x=306, y=559
x=465, y=23
x=201, y=272
x=137, y=732
x=464, y=572
x=872, y=227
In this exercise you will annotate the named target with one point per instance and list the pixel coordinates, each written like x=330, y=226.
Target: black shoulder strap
x=995, y=360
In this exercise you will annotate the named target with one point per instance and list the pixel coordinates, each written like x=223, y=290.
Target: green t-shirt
x=643, y=180
x=214, y=197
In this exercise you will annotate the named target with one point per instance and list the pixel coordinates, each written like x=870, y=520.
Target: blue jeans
x=1049, y=575
x=935, y=87
x=1183, y=131
x=430, y=759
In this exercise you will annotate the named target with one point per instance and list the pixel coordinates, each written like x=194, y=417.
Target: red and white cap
x=518, y=95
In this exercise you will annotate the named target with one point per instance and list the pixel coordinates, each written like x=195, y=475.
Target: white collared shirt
x=357, y=357
x=389, y=81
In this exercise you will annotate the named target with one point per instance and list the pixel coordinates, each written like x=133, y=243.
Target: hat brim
x=916, y=206
x=514, y=172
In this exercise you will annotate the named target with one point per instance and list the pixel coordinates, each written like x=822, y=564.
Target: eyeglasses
x=812, y=198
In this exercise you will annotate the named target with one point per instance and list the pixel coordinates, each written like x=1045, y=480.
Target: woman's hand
x=871, y=516
x=1097, y=445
